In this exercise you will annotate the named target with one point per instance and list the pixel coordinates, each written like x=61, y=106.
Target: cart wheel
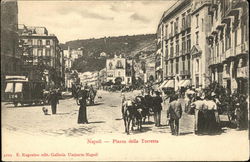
x=15, y=104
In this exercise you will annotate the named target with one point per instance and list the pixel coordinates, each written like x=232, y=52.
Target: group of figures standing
x=188, y=104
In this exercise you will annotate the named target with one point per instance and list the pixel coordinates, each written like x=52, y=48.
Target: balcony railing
x=242, y=48
x=184, y=72
x=229, y=53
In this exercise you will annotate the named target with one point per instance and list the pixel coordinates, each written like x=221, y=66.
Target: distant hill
x=127, y=46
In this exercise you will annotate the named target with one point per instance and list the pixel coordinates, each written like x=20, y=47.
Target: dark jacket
x=82, y=97
x=53, y=98
x=157, y=100
x=175, y=110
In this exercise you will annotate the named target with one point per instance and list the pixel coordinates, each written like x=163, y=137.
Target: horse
x=131, y=113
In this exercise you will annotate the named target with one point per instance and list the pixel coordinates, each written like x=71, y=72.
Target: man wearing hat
x=157, y=107
x=174, y=114
x=53, y=99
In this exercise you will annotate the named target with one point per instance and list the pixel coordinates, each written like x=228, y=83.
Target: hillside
x=128, y=46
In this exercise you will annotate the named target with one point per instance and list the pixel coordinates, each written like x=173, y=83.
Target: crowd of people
x=204, y=106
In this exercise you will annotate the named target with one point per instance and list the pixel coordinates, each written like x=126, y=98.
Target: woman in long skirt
x=82, y=115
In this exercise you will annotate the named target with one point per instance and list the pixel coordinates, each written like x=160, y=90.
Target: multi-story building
x=200, y=27
x=119, y=68
x=41, y=48
x=10, y=54
x=229, y=43
x=174, y=44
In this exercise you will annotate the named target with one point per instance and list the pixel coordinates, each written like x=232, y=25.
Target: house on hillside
x=119, y=69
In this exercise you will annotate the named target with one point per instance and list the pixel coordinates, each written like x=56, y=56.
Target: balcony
x=229, y=53
x=241, y=49
x=184, y=72
x=242, y=72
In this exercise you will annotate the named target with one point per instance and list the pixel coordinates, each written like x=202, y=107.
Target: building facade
x=200, y=27
x=41, y=48
x=202, y=41
x=119, y=68
x=174, y=44
x=229, y=44
x=10, y=53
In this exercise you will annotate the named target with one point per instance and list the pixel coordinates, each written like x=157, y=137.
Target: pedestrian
x=211, y=116
x=241, y=112
x=81, y=100
x=53, y=99
x=174, y=114
x=157, y=107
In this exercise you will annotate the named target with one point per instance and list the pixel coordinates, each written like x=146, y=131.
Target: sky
x=72, y=20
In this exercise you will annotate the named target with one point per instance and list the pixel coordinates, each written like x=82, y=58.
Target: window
x=167, y=51
x=40, y=52
x=39, y=42
x=197, y=20
x=177, y=47
x=166, y=68
x=228, y=39
x=235, y=37
x=119, y=65
x=183, y=64
x=177, y=66
x=30, y=42
x=172, y=69
x=166, y=30
x=171, y=50
x=183, y=21
x=197, y=82
x=202, y=25
x=188, y=43
x=110, y=65
x=197, y=65
x=47, y=42
x=183, y=45
x=222, y=46
x=47, y=52
x=189, y=20
x=217, y=45
x=171, y=28
x=176, y=25
x=197, y=38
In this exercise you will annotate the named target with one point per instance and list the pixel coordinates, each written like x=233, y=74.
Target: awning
x=163, y=84
x=170, y=84
x=180, y=83
x=184, y=83
x=19, y=87
x=9, y=87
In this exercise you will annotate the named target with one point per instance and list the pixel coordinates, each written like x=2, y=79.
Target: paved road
x=28, y=130
x=104, y=117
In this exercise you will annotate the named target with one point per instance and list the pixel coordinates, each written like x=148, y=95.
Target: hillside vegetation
x=128, y=46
